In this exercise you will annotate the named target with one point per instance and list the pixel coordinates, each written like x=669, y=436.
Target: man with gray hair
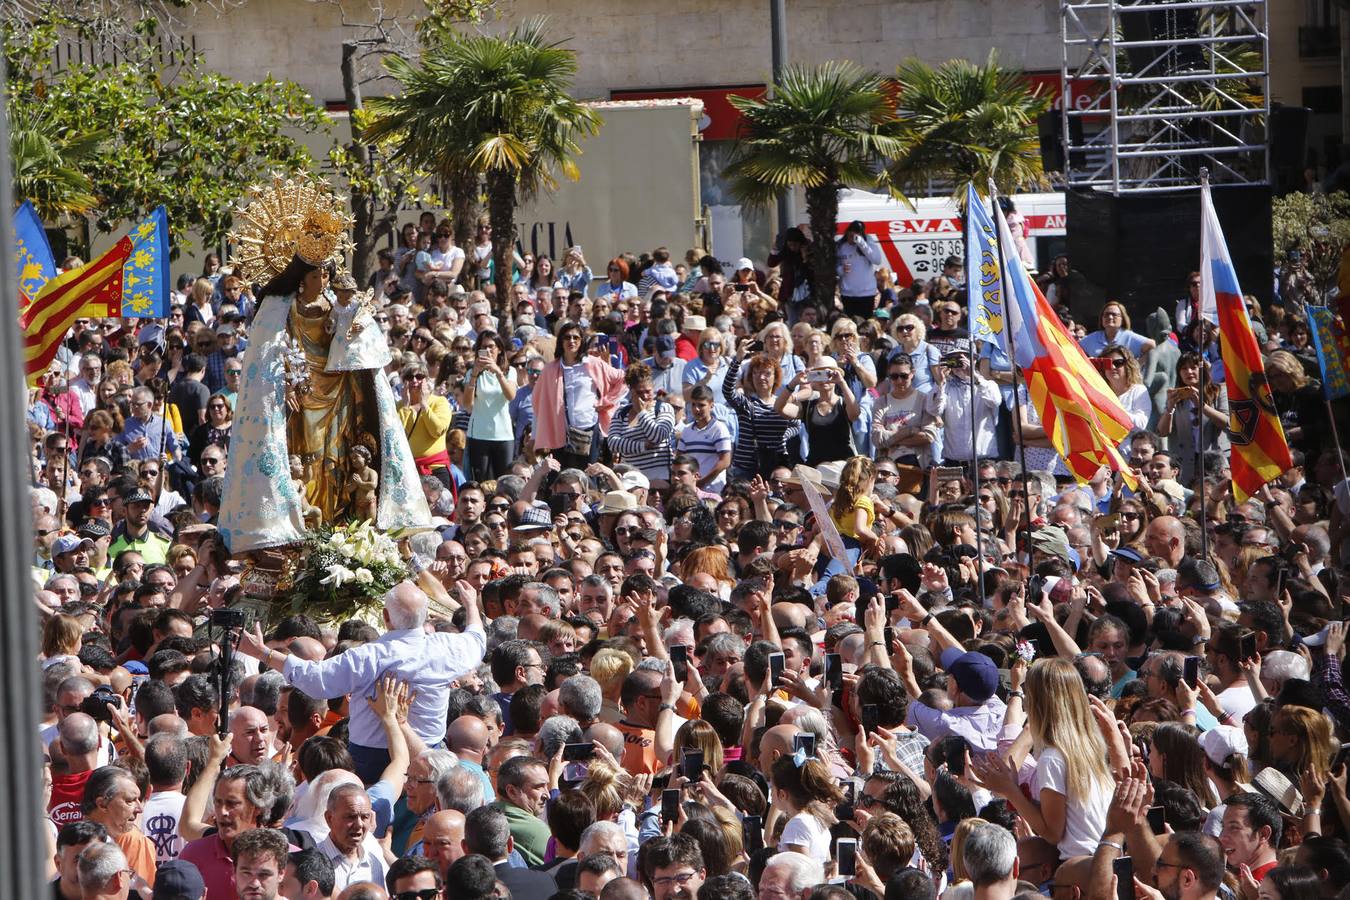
x=721, y=651
x=554, y=733
x=112, y=798
x=459, y=788
x=65, y=586
x=144, y=434
x=790, y=875
x=424, y=772
x=350, y=821
x=103, y=873
x=427, y=661
x=535, y=598
x=77, y=742
x=990, y=855
x=1278, y=666
x=604, y=838
x=580, y=698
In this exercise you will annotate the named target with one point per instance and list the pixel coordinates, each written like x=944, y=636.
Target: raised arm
x=391, y=695
x=192, y=822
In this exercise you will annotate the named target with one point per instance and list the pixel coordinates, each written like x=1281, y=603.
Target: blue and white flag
x=984, y=280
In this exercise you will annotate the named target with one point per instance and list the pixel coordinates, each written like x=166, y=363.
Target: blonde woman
x=198, y=307
x=861, y=375
x=910, y=333
x=1301, y=743
x=1072, y=786
x=606, y=785
x=778, y=348
x=960, y=877
x=609, y=667
x=1299, y=400
x=1121, y=371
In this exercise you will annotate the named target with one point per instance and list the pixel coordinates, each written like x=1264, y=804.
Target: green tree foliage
x=183, y=136
x=822, y=129
x=961, y=122
x=495, y=106
x=48, y=167
x=1317, y=225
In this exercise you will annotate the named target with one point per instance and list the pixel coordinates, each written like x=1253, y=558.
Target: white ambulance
x=916, y=240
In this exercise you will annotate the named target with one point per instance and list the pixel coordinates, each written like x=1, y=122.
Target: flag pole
x=1017, y=396
x=65, y=467
x=1200, y=404
x=974, y=424
x=1335, y=436
x=163, y=439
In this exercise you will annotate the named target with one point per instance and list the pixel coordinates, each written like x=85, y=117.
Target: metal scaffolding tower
x=1154, y=91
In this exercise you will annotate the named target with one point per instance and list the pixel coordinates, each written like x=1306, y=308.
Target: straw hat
x=617, y=502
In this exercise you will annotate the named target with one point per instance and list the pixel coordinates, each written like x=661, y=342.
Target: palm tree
x=494, y=106
x=823, y=129
x=47, y=165
x=961, y=123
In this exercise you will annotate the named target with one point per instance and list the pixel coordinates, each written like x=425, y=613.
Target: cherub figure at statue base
x=309, y=511
x=363, y=484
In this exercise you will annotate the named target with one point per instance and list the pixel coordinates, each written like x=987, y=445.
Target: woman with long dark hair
x=574, y=400
x=1175, y=754
x=1187, y=416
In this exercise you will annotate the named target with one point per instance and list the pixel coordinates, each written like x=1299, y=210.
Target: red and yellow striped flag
x=1080, y=413
x=1258, y=449
x=93, y=290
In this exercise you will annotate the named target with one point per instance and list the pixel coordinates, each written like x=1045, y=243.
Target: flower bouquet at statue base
x=343, y=572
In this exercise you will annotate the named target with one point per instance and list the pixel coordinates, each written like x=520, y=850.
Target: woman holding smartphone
x=488, y=392
x=1194, y=425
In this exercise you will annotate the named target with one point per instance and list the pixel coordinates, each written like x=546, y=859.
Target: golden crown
x=289, y=217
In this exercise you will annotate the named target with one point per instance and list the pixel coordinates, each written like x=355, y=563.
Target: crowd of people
x=730, y=596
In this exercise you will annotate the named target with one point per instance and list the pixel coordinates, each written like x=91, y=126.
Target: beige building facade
x=652, y=44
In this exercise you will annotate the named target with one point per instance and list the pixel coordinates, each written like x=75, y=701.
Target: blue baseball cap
x=1129, y=554
x=180, y=880
x=975, y=674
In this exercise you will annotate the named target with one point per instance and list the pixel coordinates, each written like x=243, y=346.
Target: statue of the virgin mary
x=309, y=389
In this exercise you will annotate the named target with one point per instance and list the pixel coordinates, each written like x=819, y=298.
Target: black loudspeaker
x=1050, y=130
x=1289, y=136
x=1139, y=248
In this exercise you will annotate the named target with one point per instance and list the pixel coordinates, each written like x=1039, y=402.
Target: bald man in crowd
x=427, y=660
x=467, y=738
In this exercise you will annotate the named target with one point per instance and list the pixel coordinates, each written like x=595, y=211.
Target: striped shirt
x=761, y=426
x=644, y=440
x=706, y=445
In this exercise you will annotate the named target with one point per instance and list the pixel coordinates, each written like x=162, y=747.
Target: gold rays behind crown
x=289, y=217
